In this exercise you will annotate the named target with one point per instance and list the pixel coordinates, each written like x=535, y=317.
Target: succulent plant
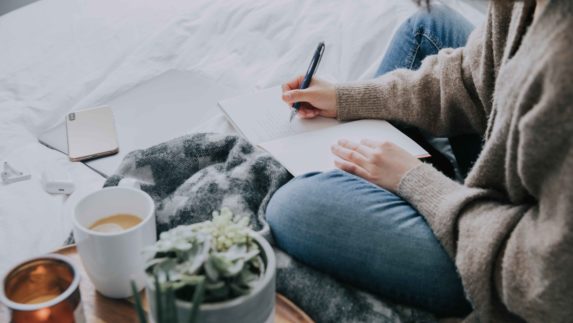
x=212, y=261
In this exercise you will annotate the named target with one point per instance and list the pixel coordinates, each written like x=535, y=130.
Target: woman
x=498, y=247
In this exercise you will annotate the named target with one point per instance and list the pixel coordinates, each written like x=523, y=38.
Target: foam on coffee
x=115, y=223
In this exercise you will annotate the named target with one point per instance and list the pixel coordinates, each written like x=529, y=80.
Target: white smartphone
x=91, y=134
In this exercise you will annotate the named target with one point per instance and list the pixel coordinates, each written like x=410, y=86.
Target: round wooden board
x=100, y=309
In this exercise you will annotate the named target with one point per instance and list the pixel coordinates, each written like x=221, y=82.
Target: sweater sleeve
x=449, y=94
x=517, y=250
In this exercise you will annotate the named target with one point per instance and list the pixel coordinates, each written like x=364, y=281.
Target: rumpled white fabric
x=60, y=55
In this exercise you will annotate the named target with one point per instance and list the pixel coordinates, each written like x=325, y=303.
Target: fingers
x=377, y=144
x=382, y=150
x=370, y=143
x=293, y=96
x=352, y=169
x=350, y=155
x=292, y=92
x=308, y=112
x=364, y=150
x=293, y=84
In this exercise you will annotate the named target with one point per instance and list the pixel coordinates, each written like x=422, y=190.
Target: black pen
x=309, y=74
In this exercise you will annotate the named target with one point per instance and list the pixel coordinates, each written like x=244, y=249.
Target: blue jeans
x=364, y=235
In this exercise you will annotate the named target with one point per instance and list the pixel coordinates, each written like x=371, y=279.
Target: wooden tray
x=99, y=309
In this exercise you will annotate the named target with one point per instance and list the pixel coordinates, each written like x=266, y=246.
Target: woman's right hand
x=319, y=99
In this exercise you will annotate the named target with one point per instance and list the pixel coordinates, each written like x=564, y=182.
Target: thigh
x=364, y=235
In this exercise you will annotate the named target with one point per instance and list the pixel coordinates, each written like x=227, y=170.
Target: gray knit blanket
x=191, y=176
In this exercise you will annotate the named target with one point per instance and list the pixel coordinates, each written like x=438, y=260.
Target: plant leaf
x=215, y=285
x=198, y=297
x=235, y=252
x=239, y=290
x=158, y=298
x=170, y=306
x=211, y=270
x=138, y=306
x=234, y=269
x=192, y=279
x=154, y=262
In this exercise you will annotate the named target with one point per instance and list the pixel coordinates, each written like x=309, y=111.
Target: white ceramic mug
x=112, y=260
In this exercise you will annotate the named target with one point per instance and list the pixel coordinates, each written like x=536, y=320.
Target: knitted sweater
x=509, y=227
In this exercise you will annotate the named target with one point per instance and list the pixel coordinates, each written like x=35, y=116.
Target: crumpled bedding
x=62, y=55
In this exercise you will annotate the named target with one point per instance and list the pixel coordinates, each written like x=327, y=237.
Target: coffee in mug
x=113, y=259
x=115, y=223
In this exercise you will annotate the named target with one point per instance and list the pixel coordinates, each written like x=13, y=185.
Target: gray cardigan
x=509, y=227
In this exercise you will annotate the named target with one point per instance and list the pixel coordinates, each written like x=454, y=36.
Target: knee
x=440, y=20
x=287, y=209
x=277, y=209
x=303, y=202
x=423, y=22
x=428, y=18
x=293, y=200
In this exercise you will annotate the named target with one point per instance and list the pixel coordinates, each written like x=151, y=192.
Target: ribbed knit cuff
x=425, y=188
x=358, y=101
x=432, y=194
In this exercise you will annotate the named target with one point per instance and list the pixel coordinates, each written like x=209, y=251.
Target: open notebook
x=303, y=146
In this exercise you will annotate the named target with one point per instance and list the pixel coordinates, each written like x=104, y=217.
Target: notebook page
x=263, y=116
x=310, y=152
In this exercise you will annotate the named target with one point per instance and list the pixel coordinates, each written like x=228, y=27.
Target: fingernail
x=287, y=96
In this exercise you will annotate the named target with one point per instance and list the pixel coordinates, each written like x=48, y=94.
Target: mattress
x=62, y=55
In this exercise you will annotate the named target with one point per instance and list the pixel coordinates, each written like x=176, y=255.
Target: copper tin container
x=43, y=289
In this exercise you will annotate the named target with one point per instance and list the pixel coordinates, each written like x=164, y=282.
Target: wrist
x=403, y=171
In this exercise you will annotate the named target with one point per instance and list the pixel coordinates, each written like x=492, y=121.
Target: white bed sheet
x=61, y=55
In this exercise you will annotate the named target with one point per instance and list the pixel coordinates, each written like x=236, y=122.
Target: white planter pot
x=256, y=307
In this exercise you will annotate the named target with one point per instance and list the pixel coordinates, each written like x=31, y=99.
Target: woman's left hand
x=382, y=163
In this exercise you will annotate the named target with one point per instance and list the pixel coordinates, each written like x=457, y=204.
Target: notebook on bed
x=163, y=108
x=303, y=146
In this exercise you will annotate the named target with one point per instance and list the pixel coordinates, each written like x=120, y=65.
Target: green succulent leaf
x=198, y=297
x=211, y=270
x=139, y=308
x=217, y=258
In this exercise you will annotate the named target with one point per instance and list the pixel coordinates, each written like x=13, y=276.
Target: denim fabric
x=425, y=34
x=422, y=35
x=362, y=234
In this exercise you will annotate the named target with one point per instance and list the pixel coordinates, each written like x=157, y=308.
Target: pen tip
x=292, y=114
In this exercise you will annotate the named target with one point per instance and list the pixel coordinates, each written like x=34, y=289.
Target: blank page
x=263, y=116
x=310, y=151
